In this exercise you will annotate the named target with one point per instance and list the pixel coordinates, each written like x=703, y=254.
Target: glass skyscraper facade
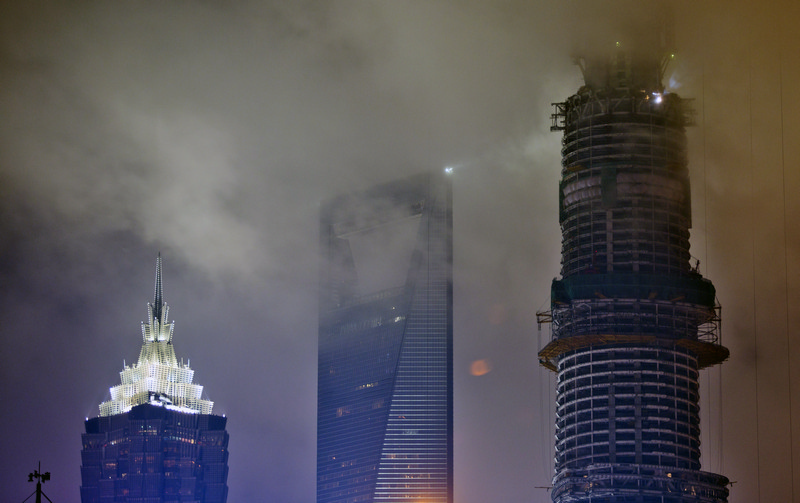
x=155, y=440
x=152, y=454
x=385, y=388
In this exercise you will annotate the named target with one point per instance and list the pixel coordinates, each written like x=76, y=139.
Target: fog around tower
x=211, y=132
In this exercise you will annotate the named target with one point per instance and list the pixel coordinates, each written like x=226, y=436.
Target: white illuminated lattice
x=157, y=378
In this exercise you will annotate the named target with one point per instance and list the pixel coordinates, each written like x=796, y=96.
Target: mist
x=211, y=133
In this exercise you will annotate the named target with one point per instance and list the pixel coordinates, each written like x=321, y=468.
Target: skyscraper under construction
x=632, y=320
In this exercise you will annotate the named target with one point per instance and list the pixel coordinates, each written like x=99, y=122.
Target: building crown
x=157, y=377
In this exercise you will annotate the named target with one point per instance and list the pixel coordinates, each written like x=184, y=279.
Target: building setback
x=385, y=387
x=633, y=320
x=156, y=440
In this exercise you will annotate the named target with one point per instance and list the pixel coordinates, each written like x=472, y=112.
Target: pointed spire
x=159, y=297
x=157, y=373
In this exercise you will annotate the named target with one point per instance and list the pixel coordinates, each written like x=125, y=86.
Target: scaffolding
x=632, y=321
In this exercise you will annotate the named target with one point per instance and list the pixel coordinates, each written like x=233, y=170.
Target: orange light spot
x=480, y=367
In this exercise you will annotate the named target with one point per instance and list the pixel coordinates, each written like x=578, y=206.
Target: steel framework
x=632, y=320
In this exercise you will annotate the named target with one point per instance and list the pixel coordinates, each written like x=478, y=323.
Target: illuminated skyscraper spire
x=157, y=377
x=159, y=296
x=156, y=440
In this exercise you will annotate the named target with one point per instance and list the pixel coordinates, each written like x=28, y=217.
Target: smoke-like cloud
x=212, y=131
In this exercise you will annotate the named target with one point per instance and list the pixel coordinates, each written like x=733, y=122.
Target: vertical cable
x=719, y=412
x=785, y=255
x=550, y=423
x=753, y=257
x=720, y=416
x=544, y=382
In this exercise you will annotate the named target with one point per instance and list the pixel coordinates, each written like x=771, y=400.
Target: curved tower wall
x=633, y=320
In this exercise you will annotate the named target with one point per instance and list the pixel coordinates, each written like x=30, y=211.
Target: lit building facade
x=155, y=440
x=632, y=320
x=385, y=387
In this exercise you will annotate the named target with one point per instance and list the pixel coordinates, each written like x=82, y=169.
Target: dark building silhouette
x=156, y=440
x=385, y=390
x=632, y=320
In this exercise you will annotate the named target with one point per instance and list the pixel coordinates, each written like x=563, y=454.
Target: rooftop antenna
x=41, y=478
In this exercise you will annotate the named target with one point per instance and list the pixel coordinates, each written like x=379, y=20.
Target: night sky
x=211, y=131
